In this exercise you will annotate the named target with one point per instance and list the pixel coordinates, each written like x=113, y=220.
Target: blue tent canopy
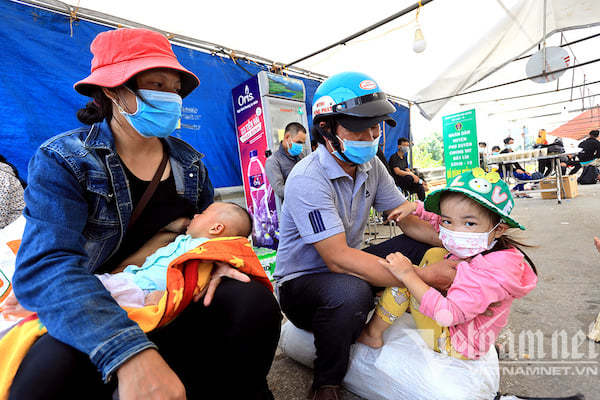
x=42, y=60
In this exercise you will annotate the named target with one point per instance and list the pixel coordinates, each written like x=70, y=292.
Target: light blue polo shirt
x=321, y=200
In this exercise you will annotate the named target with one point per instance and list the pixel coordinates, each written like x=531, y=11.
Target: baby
x=138, y=286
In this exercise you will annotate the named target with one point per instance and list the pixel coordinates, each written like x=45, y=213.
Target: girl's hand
x=597, y=243
x=397, y=264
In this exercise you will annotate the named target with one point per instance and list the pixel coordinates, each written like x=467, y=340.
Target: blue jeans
x=335, y=307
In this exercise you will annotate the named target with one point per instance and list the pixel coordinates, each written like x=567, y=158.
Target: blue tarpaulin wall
x=41, y=60
x=390, y=136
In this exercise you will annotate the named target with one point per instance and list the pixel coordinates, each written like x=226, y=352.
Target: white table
x=557, y=176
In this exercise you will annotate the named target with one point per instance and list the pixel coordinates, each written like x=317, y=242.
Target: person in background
x=541, y=138
x=590, y=150
x=406, y=180
x=544, y=165
x=496, y=150
x=517, y=171
x=482, y=155
x=84, y=191
x=11, y=193
x=279, y=165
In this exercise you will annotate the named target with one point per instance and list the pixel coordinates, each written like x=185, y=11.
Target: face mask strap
x=334, y=140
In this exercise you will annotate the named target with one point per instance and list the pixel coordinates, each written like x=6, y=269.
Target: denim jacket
x=78, y=205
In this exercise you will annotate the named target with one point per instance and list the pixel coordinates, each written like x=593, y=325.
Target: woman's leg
x=224, y=351
x=54, y=370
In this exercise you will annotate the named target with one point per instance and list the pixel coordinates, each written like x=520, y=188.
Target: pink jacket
x=500, y=276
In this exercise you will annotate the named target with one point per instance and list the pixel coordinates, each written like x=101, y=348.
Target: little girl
x=472, y=216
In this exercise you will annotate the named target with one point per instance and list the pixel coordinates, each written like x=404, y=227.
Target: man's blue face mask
x=358, y=151
x=295, y=149
x=157, y=114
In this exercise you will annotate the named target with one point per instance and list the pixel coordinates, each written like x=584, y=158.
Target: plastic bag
x=404, y=368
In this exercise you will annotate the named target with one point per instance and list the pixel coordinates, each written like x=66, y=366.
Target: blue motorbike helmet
x=352, y=99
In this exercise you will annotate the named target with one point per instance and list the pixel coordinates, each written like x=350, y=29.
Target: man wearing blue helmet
x=326, y=284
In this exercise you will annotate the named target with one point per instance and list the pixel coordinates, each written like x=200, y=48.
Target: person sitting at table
x=590, y=150
x=406, y=179
x=517, y=171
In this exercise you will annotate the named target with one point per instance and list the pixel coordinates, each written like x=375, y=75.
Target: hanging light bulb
x=419, y=44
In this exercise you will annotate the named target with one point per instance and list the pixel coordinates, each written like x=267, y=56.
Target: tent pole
x=362, y=32
x=410, y=138
x=544, y=68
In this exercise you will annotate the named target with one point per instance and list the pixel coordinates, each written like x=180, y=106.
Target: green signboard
x=460, y=143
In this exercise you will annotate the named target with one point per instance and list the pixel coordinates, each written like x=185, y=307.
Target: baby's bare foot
x=374, y=341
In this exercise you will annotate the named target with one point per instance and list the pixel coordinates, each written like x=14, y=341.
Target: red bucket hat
x=120, y=54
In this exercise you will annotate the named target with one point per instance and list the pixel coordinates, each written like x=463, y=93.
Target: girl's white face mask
x=466, y=244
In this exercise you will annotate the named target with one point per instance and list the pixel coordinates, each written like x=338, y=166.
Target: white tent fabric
x=520, y=30
x=466, y=40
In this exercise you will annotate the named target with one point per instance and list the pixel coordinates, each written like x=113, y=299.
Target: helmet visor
x=370, y=105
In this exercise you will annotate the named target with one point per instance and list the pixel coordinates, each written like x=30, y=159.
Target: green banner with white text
x=460, y=143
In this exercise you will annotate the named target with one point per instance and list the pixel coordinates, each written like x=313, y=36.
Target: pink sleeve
x=433, y=219
x=472, y=291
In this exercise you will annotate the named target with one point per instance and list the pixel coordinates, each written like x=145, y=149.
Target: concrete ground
x=543, y=350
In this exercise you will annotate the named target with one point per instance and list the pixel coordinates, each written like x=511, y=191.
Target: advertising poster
x=460, y=143
x=252, y=144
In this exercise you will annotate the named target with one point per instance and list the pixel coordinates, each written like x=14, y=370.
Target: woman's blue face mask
x=157, y=114
x=357, y=151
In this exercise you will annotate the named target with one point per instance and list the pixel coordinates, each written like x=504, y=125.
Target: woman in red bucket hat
x=96, y=194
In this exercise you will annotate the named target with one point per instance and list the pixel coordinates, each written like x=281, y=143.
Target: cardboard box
x=569, y=184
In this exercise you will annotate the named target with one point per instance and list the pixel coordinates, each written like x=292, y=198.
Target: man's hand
x=440, y=275
x=403, y=210
x=220, y=270
x=147, y=376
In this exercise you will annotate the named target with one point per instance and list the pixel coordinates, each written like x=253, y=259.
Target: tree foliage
x=429, y=152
